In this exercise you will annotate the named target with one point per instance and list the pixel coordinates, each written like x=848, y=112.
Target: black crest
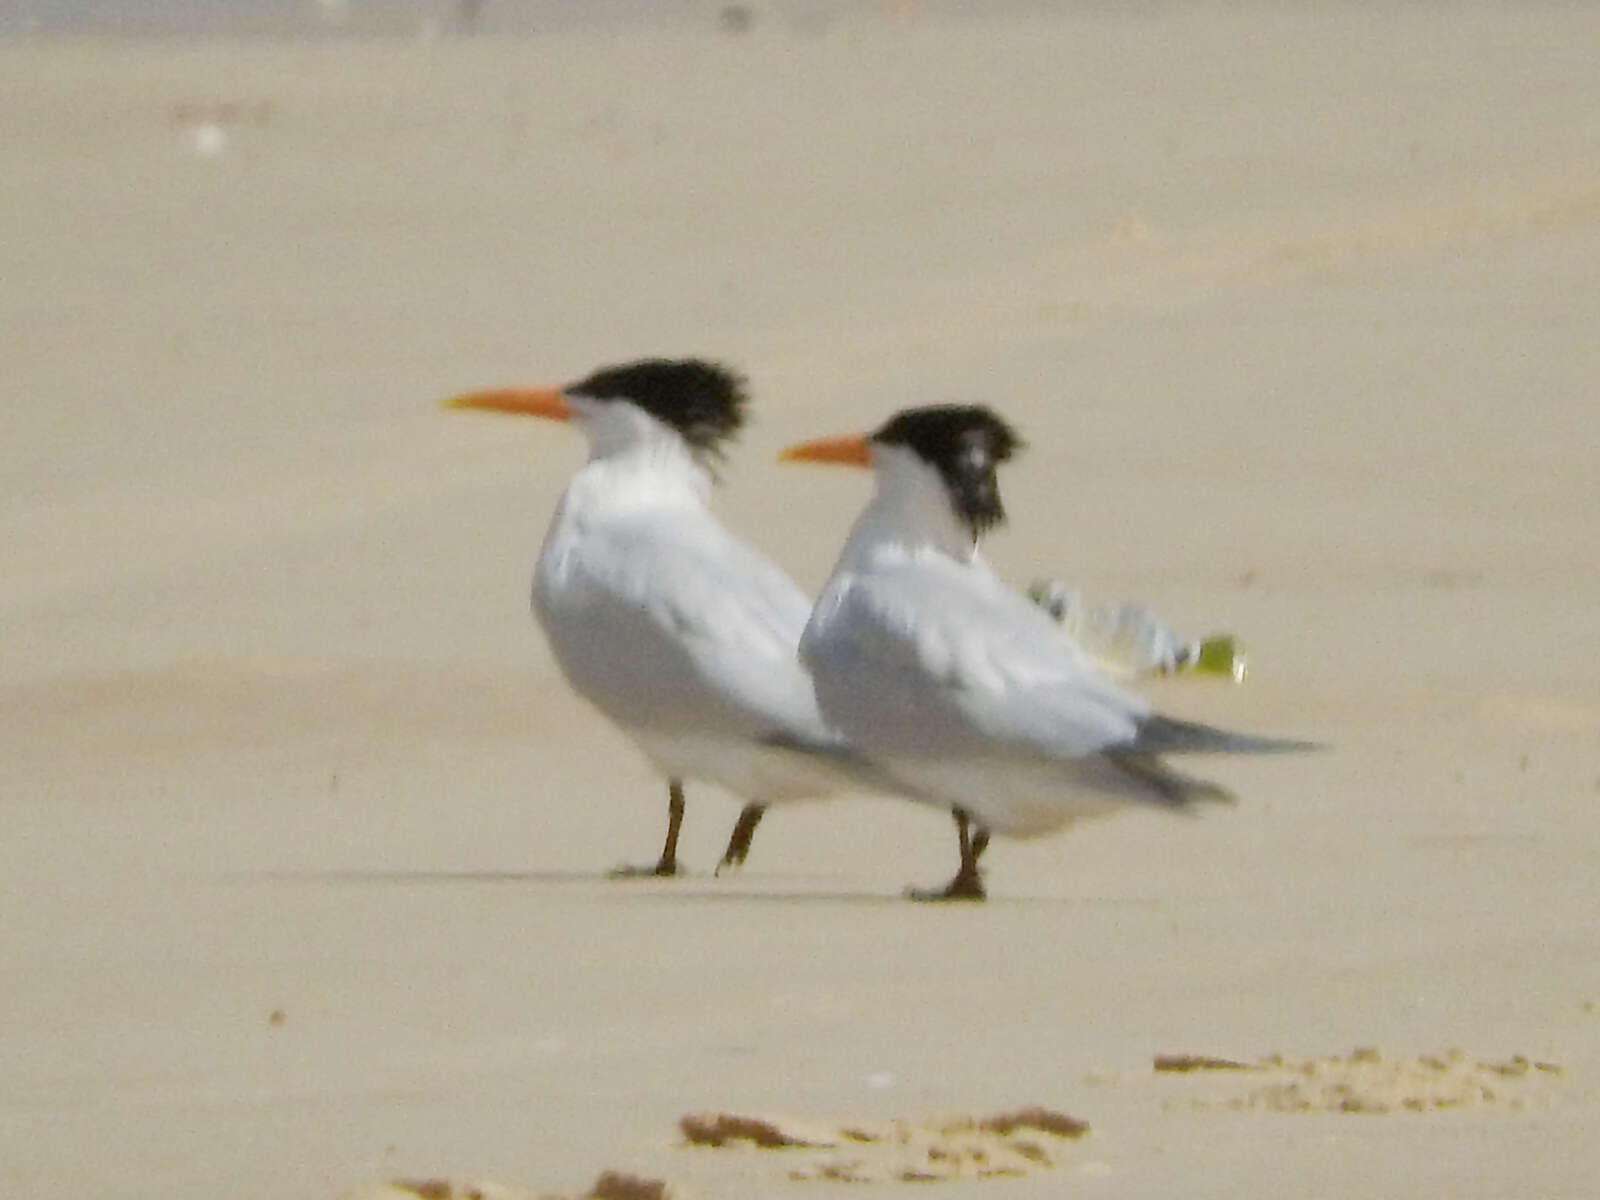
x=702, y=400
x=964, y=443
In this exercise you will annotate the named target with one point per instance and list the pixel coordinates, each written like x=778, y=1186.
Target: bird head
x=945, y=454
x=700, y=403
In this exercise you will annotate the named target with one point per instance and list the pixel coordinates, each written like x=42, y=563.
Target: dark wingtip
x=1166, y=735
x=1171, y=788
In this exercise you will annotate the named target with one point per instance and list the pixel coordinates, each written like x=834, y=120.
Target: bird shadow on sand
x=601, y=884
x=692, y=889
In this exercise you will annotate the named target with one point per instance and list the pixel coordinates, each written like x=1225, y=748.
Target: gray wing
x=937, y=658
x=673, y=622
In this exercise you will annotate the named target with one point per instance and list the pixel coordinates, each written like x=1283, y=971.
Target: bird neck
x=648, y=472
x=909, y=521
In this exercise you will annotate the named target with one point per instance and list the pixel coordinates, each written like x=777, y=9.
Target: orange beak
x=529, y=402
x=852, y=450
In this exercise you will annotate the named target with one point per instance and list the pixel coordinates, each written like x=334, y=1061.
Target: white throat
x=634, y=458
x=910, y=512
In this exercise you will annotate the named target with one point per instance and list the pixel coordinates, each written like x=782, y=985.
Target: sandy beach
x=306, y=842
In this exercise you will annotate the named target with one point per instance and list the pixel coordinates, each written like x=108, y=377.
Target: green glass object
x=1128, y=640
x=1221, y=654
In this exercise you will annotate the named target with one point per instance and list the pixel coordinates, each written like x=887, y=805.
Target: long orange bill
x=852, y=450
x=530, y=402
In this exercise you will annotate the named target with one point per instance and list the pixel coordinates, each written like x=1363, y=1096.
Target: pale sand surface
x=1299, y=312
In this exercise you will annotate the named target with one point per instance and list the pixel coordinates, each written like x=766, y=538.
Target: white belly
x=1015, y=797
x=754, y=772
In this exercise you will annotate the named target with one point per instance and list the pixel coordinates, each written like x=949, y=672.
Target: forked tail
x=1173, y=788
x=1166, y=735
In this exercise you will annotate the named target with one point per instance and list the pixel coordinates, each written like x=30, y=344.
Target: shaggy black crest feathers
x=964, y=443
x=703, y=401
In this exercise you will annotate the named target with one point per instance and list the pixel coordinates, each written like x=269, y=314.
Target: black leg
x=668, y=864
x=743, y=832
x=669, y=852
x=968, y=883
x=980, y=843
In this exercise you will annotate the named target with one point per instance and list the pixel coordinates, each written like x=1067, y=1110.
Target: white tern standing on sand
x=955, y=684
x=676, y=630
